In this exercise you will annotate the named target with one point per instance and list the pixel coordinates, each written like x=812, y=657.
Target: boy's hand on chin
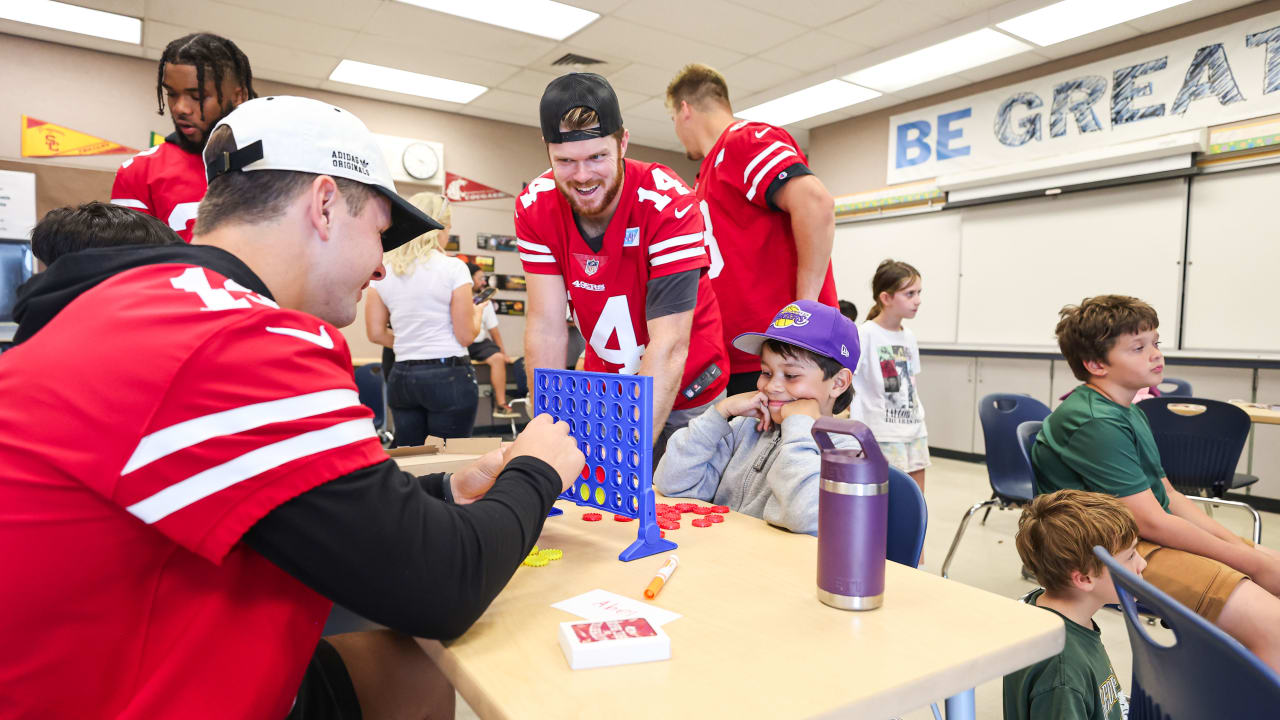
x=803, y=406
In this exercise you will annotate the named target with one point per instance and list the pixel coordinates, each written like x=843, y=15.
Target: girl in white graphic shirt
x=886, y=392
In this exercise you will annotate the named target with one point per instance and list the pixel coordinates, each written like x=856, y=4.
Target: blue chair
x=373, y=396
x=1027, y=434
x=1001, y=413
x=1174, y=682
x=1199, y=451
x=908, y=518
x=1173, y=387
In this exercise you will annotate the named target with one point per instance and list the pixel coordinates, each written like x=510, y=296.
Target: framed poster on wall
x=451, y=245
x=509, y=307
x=489, y=241
x=484, y=261
x=510, y=282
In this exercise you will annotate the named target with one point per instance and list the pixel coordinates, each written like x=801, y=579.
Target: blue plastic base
x=649, y=541
x=555, y=511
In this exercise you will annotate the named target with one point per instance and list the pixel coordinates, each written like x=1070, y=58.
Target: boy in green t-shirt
x=1098, y=440
x=1056, y=535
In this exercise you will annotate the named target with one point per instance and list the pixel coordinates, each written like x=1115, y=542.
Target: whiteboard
x=1234, y=257
x=1022, y=261
x=930, y=242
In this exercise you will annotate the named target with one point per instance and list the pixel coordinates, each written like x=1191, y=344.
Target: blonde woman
x=426, y=298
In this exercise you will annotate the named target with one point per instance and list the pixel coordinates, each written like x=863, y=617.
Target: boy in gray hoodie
x=754, y=451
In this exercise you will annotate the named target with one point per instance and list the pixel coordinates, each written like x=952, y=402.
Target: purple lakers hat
x=812, y=326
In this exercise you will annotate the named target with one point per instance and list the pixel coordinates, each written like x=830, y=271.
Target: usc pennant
x=44, y=139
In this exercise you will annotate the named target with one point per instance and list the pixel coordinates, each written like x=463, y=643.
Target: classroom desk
x=1263, y=415
x=753, y=641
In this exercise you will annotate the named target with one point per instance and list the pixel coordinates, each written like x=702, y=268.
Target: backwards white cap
x=304, y=135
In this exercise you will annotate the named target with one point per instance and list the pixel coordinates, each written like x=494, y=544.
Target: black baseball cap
x=567, y=92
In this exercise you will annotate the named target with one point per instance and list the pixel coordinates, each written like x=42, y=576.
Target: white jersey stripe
x=251, y=464
x=533, y=246
x=681, y=255
x=674, y=242
x=537, y=258
x=758, y=158
x=764, y=171
x=126, y=202
x=229, y=422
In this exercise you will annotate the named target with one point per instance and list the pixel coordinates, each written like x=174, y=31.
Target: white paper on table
x=604, y=605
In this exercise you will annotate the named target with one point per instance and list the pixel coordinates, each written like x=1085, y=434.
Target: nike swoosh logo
x=321, y=338
x=762, y=132
x=682, y=213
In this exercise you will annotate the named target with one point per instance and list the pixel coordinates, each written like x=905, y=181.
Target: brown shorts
x=1200, y=583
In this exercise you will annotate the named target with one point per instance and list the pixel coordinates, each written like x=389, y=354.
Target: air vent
x=571, y=59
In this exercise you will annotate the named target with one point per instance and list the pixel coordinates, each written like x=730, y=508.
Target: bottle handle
x=825, y=427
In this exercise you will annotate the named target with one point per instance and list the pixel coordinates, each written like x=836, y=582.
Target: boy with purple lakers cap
x=755, y=451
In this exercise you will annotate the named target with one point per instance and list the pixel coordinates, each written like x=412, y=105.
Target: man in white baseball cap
x=191, y=481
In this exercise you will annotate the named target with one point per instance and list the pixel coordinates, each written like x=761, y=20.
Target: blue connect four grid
x=611, y=417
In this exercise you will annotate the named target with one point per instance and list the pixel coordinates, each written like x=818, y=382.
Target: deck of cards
x=601, y=643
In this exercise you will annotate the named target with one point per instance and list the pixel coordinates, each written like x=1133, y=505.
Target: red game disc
x=591, y=517
x=720, y=509
x=685, y=507
x=668, y=524
x=702, y=510
x=716, y=518
x=702, y=522
x=620, y=518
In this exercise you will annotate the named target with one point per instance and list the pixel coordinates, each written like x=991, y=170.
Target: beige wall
x=113, y=97
x=850, y=155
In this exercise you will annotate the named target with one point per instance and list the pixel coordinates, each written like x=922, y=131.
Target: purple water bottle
x=853, y=517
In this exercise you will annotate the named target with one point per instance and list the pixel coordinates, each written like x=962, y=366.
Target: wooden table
x=1263, y=415
x=754, y=640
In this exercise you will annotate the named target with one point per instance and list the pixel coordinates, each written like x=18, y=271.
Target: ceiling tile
x=753, y=75
x=348, y=14
x=608, y=61
x=400, y=98
x=654, y=108
x=286, y=77
x=884, y=24
x=529, y=82
x=156, y=34
x=628, y=98
x=132, y=8
x=712, y=22
x=1184, y=13
x=641, y=78
x=245, y=24
x=295, y=62
x=442, y=32
x=814, y=51
x=508, y=102
x=811, y=13
x=603, y=7
x=659, y=48
x=957, y=9
x=429, y=60
x=933, y=87
x=1021, y=61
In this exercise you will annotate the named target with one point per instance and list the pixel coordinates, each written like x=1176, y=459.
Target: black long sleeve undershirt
x=387, y=545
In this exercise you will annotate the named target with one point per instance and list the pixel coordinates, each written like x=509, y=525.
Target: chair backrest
x=1174, y=387
x=1173, y=682
x=369, y=385
x=1027, y=434
x=1198, y=452
x=1001, y=413
x=908, y=518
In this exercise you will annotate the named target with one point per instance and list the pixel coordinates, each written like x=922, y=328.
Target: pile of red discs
x=708, y=515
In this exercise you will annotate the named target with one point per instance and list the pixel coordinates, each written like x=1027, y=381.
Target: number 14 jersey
x=655, y=231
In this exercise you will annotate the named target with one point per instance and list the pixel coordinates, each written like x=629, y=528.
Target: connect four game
x=611, y=417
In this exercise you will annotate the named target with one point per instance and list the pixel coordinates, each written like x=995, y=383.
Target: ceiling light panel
x=946, y=58
x=1073, y=18
x=546, y=18
x=822, y=98
x=72, y=18
x=402, y=81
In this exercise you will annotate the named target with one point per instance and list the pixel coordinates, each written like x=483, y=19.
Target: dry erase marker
x=664, y=574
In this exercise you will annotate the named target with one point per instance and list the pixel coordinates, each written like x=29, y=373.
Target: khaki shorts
x=1200, y=583
x=907, y=456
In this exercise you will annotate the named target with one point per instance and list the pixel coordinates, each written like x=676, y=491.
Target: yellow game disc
x=600, y=496
x=534, y=561
x=551, y=554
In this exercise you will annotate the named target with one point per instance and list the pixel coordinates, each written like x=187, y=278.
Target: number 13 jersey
x=655, y=231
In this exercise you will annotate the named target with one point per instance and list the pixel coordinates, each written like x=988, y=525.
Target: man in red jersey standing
x=622, y=240
x=202, y=77
x=769, y=220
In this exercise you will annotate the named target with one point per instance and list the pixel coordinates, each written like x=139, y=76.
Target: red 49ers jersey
x=655, y=231
x=144, y=430
x=165, y=181
x=753, y=252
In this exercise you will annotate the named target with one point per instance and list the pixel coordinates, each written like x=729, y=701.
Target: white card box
x=601, y=643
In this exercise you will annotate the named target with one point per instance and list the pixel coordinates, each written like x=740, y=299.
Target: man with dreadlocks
x=202, y=77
